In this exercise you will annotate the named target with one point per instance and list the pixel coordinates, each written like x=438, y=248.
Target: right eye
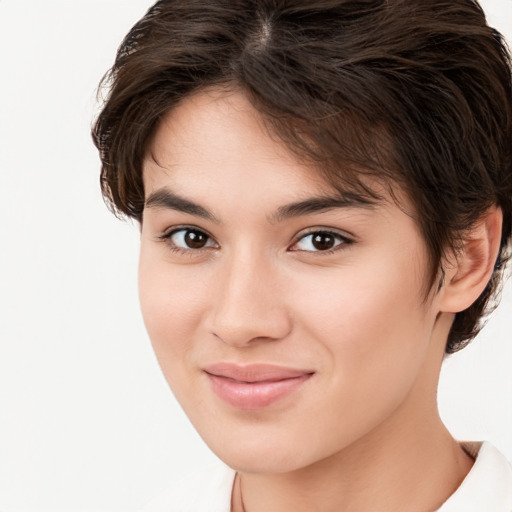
x=189, y=239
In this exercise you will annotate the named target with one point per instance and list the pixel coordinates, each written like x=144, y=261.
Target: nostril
x=244, y=333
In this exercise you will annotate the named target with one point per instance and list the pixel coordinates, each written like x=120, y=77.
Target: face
x=283, y=314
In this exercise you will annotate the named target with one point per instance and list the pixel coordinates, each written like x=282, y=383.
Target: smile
x=255, y=386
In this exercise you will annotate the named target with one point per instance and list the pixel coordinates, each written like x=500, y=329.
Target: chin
x=261, y=461
x=261, y=452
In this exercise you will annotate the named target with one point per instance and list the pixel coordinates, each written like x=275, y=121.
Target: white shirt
x=486, y=488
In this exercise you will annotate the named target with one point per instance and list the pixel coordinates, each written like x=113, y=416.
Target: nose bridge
x=248, y=304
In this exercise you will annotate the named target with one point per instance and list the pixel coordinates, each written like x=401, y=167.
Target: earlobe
x=470, y=270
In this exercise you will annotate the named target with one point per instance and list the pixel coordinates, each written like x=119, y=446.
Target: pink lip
x=254, y=386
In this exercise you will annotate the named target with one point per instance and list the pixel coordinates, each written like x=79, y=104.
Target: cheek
x=171, y=304
x=372, y=338
x=371, y=323
x=369, y=300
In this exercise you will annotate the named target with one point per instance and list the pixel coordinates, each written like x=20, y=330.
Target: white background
x=86, y=419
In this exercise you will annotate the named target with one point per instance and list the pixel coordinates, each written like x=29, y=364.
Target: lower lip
x=254, y=395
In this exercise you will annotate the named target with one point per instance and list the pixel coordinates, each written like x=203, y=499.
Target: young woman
x=324, y=193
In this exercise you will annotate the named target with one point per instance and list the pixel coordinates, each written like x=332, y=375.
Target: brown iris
x=323, y=241
x=195, y=239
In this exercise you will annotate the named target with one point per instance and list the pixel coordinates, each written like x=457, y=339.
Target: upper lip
x=255, y=372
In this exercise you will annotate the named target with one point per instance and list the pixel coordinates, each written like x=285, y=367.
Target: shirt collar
x=488, y=486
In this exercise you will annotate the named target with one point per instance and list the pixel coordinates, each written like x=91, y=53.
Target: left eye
x=319, y=241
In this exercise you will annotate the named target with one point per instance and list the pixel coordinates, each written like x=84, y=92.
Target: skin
x=363, y=433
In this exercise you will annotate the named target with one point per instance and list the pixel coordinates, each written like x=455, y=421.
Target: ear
x=468, y=273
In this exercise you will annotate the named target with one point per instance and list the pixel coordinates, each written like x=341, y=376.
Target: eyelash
x=166, y=238
x=343, y=240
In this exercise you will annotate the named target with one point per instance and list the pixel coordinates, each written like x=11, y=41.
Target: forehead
x=215, y=130
x=217, y=136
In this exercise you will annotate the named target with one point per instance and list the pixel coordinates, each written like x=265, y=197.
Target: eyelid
x=169, y=232
x=345, y=238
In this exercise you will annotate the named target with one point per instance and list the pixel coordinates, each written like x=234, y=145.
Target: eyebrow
x=164, y=198
x=321, y=204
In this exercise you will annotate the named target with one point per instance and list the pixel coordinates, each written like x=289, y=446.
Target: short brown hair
x=414, y=92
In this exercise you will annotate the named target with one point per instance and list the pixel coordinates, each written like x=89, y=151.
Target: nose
x=249, y=303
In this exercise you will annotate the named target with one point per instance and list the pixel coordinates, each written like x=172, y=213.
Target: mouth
x=254, y=386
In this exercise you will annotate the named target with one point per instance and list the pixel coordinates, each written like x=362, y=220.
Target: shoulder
x=207, y=489
x=488, y=486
